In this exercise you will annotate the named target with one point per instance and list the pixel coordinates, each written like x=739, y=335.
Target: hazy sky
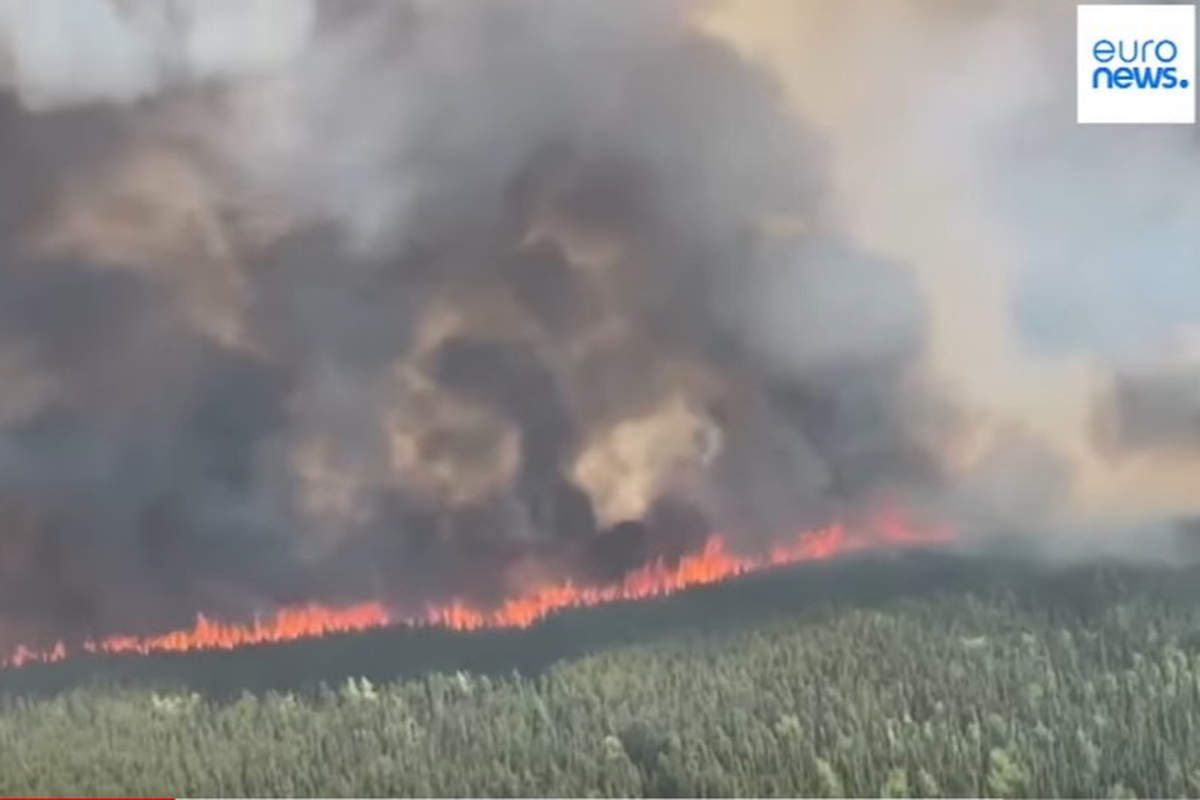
x=1052, y=254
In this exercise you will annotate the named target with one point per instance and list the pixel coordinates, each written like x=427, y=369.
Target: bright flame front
x=713, y=563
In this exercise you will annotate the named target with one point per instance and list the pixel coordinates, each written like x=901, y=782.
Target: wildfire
x=713, y=563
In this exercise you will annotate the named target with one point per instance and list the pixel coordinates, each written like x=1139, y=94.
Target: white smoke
x=58, y=53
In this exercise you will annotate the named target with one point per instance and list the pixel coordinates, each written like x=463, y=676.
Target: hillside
x=919, y=674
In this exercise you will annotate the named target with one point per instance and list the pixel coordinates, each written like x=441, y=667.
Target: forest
x=911, y=675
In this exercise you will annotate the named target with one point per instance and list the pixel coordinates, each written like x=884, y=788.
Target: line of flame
x=713, y=563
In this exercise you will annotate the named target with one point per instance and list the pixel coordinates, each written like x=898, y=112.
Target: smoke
x=1155, y=411
x=1054, y=258
x=417, y=300
x=93, y=51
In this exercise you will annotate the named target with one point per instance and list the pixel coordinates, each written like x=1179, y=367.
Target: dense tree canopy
x=1090, y=688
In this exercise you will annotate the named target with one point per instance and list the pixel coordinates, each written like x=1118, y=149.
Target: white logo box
x=1136, y=63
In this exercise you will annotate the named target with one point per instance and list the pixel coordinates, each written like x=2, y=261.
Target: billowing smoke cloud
x=416, y=300
x=413, y=300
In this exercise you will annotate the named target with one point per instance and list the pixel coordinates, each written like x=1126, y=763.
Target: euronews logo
x=1136, y=63
x=1145, y=64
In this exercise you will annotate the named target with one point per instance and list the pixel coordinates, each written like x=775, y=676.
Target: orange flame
x=713, y=563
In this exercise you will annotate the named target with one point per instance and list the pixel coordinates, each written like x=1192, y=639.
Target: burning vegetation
x=712, y=564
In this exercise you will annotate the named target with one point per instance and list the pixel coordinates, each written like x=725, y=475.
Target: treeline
x=1088, y=686
x=386, y=655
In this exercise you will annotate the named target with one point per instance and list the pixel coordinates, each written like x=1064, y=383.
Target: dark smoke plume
x=448, y=298
x=412, y=300
x=428, y=301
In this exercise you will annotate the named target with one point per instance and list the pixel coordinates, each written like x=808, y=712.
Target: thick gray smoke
x=414, y=300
